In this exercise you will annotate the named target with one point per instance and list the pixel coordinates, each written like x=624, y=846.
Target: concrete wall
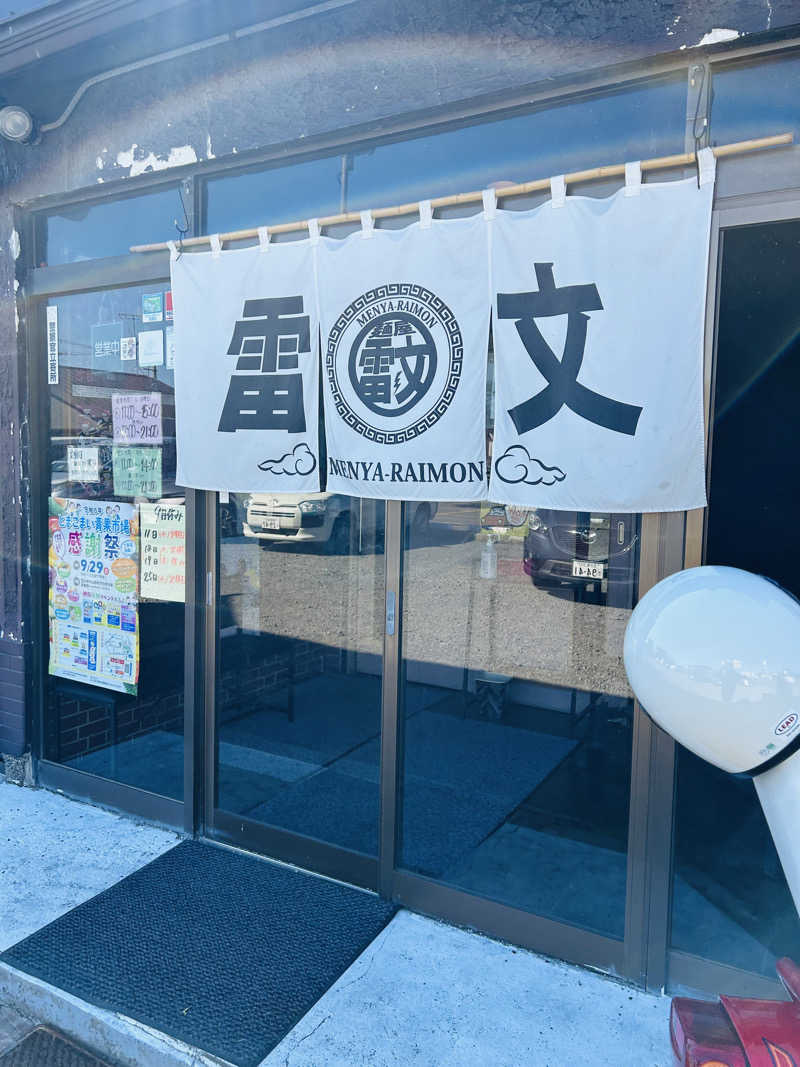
x=358, y=64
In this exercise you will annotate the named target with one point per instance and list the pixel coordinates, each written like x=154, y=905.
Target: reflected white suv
x=328, y=519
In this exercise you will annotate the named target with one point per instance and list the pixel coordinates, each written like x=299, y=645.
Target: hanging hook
x=187, y=224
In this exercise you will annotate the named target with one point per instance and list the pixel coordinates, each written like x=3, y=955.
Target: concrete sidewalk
x=423, y=993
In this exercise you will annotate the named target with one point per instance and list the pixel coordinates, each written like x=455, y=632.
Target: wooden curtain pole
x=615, y=170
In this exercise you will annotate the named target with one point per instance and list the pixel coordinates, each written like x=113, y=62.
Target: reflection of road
x=452, y=616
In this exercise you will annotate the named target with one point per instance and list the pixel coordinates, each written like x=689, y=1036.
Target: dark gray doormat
x=221, y=950
x=43, y=1047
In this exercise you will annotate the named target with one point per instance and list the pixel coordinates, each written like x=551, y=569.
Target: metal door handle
x=390, y=612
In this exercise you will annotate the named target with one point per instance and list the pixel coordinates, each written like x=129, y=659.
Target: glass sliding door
x=516, y=713
x=115, y=541
x=299, y=666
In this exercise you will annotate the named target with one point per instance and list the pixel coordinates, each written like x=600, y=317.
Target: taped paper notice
x=52, y=345
x=136, y=418
x=169, y=337
x=127, y=348
x=137, y=472
x=163, y=551
x=151, y=348
x=83, y=463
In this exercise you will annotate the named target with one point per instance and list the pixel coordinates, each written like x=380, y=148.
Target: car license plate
x=270, y=524
x=582, y=568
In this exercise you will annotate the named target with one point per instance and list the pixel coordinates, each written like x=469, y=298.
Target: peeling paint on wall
x=716, y=36
x=13, y=244
x=178, y=157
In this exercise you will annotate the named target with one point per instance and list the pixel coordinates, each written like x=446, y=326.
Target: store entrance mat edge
x=222, y=950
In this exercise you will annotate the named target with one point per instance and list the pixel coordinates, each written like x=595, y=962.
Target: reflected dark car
x=581, y=551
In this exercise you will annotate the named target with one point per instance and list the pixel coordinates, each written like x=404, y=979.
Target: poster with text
x=137, y=472
x=93, y=553
x=405, y=327
x=246, y=369
x=163, y=548
x=136, y=418
x=83, y=463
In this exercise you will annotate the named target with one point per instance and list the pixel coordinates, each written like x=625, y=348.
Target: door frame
x=683, y=970
x=41, y=285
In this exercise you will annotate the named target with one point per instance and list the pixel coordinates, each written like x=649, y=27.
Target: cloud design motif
x=301, y=460
x=516, y=465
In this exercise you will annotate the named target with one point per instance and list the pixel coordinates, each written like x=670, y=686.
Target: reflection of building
x=534, y=800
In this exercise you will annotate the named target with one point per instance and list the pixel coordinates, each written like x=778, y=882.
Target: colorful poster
x=151, y=348
x=127, y=349
x=136, y=418
x=106, y=340
x=152, y=307
x=93, y=579
x=163, y=533
x=168, y=305
x=137, y=471
x=83, y=463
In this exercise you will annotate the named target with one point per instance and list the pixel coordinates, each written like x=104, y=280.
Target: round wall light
x=16, y=124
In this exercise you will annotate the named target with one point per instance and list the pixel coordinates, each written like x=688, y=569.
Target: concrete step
x=122, y=1041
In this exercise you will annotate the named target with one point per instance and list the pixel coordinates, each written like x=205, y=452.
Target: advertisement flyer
x=127, y=349
x=93, y=592
x=163, y=541
x=137, y=471
x=152, y=307
x=136, y=418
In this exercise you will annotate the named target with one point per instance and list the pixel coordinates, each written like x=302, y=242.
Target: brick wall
x=12, y=698
x=77, y=725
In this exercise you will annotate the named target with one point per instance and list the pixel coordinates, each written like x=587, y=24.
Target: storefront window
x=96, y=229
x=755, y=99
x=635, y=123
x=730, y=898
x=300, y=664
x=115, y=540
x=630, y=124
x=278, y=194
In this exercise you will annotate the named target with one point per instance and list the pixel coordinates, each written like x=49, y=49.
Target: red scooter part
x=739, y=1032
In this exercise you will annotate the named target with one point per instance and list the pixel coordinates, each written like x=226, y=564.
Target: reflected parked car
x=330, y=520
x=580, y=551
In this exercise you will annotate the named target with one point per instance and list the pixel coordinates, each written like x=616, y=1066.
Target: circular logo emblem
x=394, y=362
x=786, y=724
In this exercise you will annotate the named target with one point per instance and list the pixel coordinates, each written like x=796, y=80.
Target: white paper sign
x=127, y=348
x=151, y=348
x=136, y=418
x=598, y=336
x=83, y=463
x=246, y=369
x=169, y=339
x=163, y=550
x=52, y=345
x=405, y=322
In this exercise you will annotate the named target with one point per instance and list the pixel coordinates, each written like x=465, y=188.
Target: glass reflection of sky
x=109, y=228
x=756, y=100
x=633, y=124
